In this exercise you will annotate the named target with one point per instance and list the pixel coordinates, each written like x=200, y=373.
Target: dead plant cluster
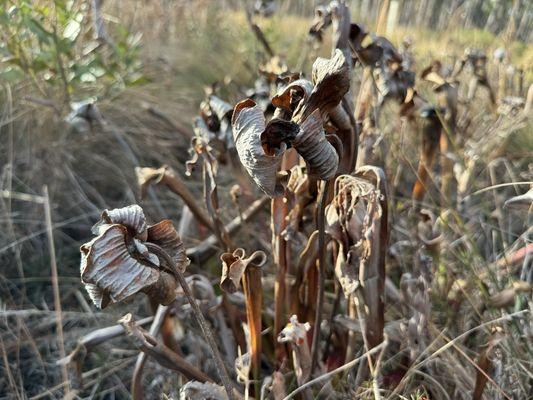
x=340, y=247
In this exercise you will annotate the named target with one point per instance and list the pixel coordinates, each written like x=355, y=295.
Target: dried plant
x=116, y=264
x=312, y=173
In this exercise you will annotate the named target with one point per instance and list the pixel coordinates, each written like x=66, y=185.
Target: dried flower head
x=117, y=264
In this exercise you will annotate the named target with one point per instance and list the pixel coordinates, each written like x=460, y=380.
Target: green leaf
x=36, y=28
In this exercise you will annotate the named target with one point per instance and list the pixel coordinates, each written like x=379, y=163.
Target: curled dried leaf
x=221, y=108
x=321, y=21
x=312, y=145
x=116, y=264
x=523, y=201
x=290, y=96
x=165, y=236
x=432, y=73
x=506, y=297
x=146, y=176
x=351, y=220
x=233, y=267
x=331, y=77
x=132, y=217
x=249, y=124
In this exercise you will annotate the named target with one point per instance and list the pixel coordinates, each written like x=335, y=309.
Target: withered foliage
x=116, y=264
x=356, y=256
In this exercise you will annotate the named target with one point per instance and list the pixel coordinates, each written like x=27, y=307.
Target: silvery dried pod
x=260, y=146
x=201, y=130
x=312, y=145
x=290, y=96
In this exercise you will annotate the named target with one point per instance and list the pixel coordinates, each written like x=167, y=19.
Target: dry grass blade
x=55, y=285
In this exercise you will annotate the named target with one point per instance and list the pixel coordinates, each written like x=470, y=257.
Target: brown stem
x=322, y=199
x=168, y=177
x=253, y=292
x=206, y=330
x=279, y=212
x=259, y=34
x=161, y=353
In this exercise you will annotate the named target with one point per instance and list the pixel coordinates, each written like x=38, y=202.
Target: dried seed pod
x=233, y=267
x=260, y=160
x=117, y=264
x=312, y=145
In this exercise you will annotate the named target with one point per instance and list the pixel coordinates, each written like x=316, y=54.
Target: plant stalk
x=206, y=330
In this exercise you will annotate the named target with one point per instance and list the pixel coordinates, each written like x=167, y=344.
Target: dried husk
x=195, y=390
x=260, y=161
x=201, y=130
x=312, y=145
x=223, y=110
